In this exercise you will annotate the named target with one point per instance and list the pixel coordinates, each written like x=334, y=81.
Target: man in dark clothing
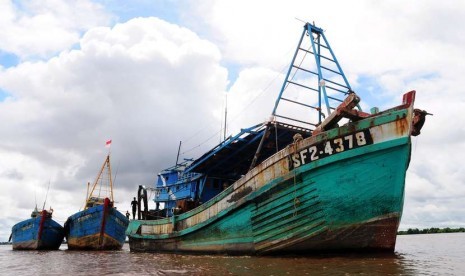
x=134, y=208
x=127, y=214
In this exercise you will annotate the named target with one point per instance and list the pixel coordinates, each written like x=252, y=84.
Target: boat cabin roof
x=233, y=157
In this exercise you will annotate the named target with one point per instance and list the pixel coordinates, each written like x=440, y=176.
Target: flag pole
x=108, y=145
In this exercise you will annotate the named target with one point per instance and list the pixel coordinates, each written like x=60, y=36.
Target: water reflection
x=385, y=264
x=439, y=254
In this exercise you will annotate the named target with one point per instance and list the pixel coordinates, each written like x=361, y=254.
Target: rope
x=276, y=134
x=297, y=138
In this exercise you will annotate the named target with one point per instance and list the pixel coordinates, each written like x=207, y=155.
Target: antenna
x=179, y=149
x=48, y=188
x=35, y=194
x=303, y=21
x=225, y=116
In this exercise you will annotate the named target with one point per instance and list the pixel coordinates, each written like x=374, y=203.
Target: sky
x=148, y=74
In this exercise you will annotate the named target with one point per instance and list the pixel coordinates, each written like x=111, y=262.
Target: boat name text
x=329, y=147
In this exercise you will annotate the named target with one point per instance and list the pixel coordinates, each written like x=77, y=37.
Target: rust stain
x=92, y=242
x=401, y=126
x=236, y=196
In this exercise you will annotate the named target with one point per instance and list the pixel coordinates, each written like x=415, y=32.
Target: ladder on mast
x=322, y=76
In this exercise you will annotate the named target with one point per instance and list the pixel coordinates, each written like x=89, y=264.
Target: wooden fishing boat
x=99, y=226
x=40, y=232
x=331, y=182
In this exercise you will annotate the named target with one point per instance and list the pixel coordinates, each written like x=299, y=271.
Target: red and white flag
x=108, y=144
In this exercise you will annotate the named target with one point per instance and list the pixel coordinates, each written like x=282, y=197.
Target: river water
x=426, y=254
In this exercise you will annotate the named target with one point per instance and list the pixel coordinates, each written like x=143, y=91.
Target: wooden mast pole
x=109, y=176
x=97, y=179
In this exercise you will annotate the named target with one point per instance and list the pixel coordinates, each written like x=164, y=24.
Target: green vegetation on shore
x=431, y=230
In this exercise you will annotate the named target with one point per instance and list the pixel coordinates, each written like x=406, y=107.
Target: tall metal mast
x=322, y=77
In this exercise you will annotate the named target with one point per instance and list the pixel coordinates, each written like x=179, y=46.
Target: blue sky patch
x=3, y=95
x=8, y=59
x=233, y=72
x=126, y=10
x=427, y=76
x=370, y=90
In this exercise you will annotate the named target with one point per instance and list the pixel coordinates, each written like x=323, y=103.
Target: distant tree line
x=431, y=230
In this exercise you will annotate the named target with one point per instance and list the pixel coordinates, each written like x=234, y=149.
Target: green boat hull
x=330, y=177
x=351, y=200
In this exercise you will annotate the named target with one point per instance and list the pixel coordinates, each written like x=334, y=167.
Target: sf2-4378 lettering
x=330, y=147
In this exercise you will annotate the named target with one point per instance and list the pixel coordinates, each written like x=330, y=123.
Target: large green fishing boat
x=331, y=180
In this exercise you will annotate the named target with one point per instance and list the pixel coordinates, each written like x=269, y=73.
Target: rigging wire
x=300, y=65
x=201, y=144
x=116, y=173
x=239, y=113
x=283, y=69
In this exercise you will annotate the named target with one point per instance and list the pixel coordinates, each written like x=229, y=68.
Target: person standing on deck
x=127, y=214
x=134, y=208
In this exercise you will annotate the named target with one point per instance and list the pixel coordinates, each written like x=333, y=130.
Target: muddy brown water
x=428, y=254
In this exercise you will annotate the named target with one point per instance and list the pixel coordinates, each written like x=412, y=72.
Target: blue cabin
x=193, y=182
x=322, y=81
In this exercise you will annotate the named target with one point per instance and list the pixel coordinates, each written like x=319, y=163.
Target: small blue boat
x=99, y=226
x=40, y=232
